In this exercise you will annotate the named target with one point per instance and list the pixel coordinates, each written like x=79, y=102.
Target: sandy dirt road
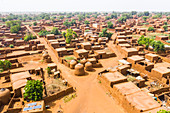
x=91, y=96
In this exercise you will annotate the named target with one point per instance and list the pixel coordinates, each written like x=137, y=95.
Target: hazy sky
x=83, y=5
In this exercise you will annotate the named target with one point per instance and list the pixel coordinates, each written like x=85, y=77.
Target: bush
x=29, y=37
x=165, y=27
x=35, y=23
x=157, y=45
x=43, y=33
x=5, y=65
x=163, y=111
x=55, y=31
x=104, y=33
x=109, y=24
x=33, y=90
x=151, y=29
x=11, y=46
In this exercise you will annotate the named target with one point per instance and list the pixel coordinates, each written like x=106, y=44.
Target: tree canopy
x=70, y=35
x=104, y=33
x=33, y=90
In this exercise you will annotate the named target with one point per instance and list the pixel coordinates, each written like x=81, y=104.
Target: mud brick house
x=19, y=42
x=61, y=51
x=50, y=36
x=152, y=57
x=86, y=45
x=81, y=53
x=164, y=38
x=127, y=52
x=18, y=81
x=160, y=72
x=134, y=59
x=40, y=46
x=139, y=102
x=121, y=41
x=119, y=29
x=111, y=78
x=144, y=67
x=55, y=44
x=123, y=69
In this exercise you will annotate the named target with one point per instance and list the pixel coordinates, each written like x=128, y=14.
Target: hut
x=72, y=64
x=79, y=69
x=88, y=66
x=4, y=96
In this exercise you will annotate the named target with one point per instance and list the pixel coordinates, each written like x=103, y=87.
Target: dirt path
x=91, y=97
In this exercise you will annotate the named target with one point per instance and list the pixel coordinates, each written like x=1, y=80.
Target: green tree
x=48, y=71
x=7, y=64
x=43, y=33
x=33, y=90
x=67, y=23
x=70, y=35
x=151, y=29
x=15, y=29
x=163, y=111
x=35, y=23
x=109, y=24
x=133, y=13
x=145, y=18
x=29, y=36
x=64, y=34
x=11, y=46
x=146, y=13
x=114, y=15
x=55, y=31
x=165, y=27
x=104, y=33
x=86, y=22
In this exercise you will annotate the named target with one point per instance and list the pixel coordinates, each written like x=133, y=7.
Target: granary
x=127, y=52
x=81, y=53
x=159, y=72
x=79, y=69
x=5, y=96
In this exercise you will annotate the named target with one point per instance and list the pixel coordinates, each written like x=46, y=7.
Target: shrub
x=11, y=46
x=5, y=65
x=43, y=33
x=29, y=37
x=151, y=29
x=55, y=31
x=33, y=90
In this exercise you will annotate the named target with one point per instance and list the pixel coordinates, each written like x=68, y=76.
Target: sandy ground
x=91, y=96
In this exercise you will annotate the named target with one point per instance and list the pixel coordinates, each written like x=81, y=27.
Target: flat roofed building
x=140, y=102
x=112, y=78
